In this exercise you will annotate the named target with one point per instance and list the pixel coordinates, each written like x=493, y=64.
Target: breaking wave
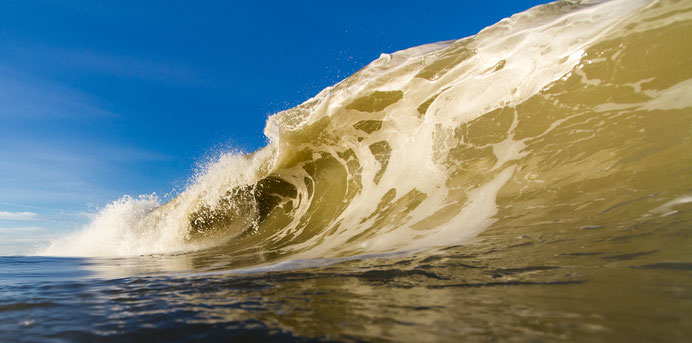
x=571, y=112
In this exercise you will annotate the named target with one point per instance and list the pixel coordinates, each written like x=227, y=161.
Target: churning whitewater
x=562, y=113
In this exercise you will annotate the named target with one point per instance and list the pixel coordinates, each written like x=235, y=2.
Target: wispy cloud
x=24, y=96
x=50, y=155
x=23, y=240
x=135, y=67
x=48, y=175
x=159, y=69
x=18, y=216
x=20, y=229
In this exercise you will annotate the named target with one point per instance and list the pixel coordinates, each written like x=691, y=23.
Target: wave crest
x=558, y=114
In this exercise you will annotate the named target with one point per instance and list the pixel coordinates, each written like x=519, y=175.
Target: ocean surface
x=531, y=183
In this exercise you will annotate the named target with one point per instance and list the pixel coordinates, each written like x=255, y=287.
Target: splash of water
x=571, y=112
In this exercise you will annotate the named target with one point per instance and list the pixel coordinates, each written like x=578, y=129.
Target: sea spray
x=571, y=112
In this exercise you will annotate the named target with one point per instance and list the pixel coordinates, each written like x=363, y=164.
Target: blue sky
x=104, y=98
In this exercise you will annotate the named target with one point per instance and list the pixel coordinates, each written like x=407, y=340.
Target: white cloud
x=18, y=216
x=22, y=229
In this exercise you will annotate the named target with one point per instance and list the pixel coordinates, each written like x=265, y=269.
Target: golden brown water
x=529, y=183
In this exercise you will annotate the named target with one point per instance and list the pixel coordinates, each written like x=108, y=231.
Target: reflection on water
x=590, y=284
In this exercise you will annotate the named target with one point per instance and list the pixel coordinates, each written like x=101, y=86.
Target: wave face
x=576, y=113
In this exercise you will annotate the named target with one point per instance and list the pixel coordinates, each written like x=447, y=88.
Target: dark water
x=602, y=285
